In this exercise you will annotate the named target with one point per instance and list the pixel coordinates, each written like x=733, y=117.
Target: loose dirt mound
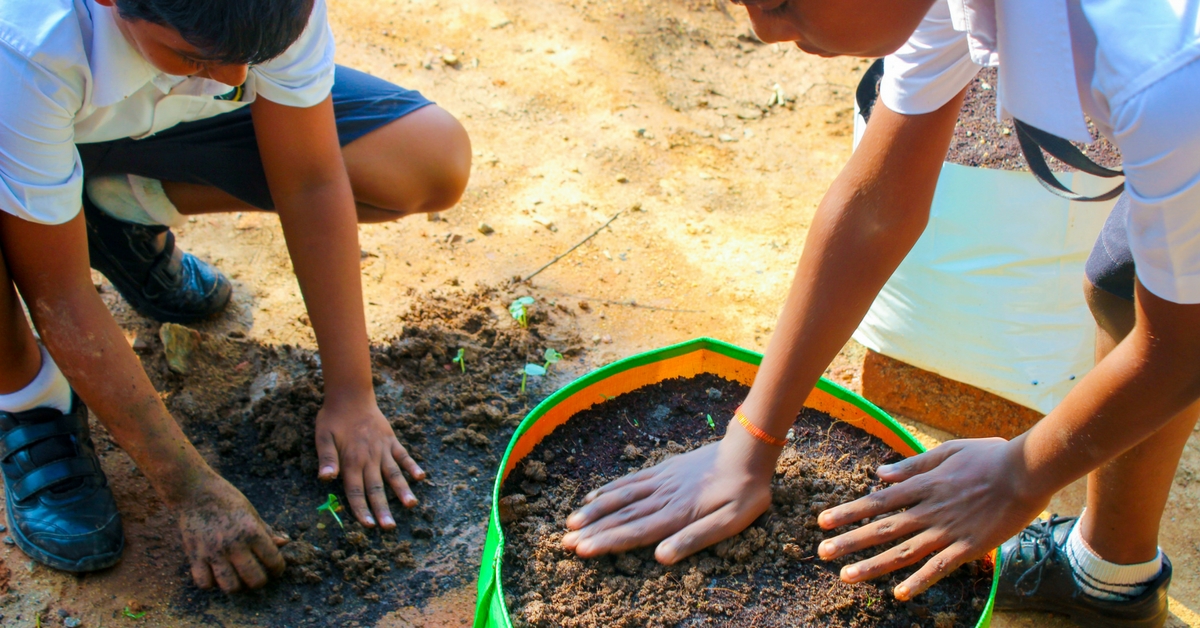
x=766, y=576
x=258, y=432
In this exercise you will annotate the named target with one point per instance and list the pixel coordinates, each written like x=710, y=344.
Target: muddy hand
x=227, y=543
x=962, y=500
x=356, y=441
x=692, y=501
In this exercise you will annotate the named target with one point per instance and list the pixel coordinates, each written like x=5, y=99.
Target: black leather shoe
x=60, y=509
x=1036, y=575
x=155, y=277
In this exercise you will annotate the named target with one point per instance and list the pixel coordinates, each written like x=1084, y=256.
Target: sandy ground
x=577, y=109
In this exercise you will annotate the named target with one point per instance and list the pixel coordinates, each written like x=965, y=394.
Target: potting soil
x=768, y=575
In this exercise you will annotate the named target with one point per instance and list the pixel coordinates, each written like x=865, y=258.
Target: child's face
x=165, y=49
x=830, y=28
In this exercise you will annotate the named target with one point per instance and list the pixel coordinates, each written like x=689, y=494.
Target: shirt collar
x=118, y=70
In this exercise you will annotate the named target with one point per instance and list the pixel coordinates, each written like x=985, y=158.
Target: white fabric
x=135, y=199
x=990, y=294
x=1131, y=64
x=69, y=76
x=1105, y=580
x=49, y=389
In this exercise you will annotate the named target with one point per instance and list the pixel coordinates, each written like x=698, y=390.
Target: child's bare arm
x=303, y=163
x=225, y=539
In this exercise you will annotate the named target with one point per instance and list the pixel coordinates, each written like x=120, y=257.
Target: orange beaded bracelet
x=756, y=431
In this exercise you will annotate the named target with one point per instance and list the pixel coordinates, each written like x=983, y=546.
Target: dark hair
x=227, y=31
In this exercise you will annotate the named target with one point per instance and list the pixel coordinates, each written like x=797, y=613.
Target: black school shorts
x=1110, y=266
x=222, y=151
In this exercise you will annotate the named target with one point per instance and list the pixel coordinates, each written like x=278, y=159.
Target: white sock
x=135, y=199
x=1108, y=581
x=48, y=390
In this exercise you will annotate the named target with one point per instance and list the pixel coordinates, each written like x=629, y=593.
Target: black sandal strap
x=868, y=89
x=1033, y=141
x=51, y=474
x=25, y=435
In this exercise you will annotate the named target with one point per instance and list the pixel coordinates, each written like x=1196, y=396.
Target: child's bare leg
x=417, y=163
x=1127, y=496
x=22, y=358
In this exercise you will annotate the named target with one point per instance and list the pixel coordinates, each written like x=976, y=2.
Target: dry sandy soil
x=577, y=109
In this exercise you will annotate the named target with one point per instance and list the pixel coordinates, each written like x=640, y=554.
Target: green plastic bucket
x=688, y=359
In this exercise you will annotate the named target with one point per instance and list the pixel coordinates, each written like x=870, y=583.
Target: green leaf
x=711, y=425
x=132, y=615
x=535, y=369
x=332, y=506
x=461, y=359
x=524, y=301
x=552, y=356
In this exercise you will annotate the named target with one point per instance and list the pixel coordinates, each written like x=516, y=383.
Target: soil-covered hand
x=961, y=500
x=357, y=441
x=226, y=542
x=692, y=500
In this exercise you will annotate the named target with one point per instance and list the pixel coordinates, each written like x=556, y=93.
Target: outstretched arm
x=868, y=221
x=226, y=541
x=311, y=190
x=968, y=496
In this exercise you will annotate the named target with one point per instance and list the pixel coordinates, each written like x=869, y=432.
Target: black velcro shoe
x=155, y=277
x=1036, y=575
x=60, y=509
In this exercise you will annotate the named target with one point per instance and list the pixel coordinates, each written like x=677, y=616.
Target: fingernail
x=569, y=538
x=326, y=470
x=902, y=592
x=388, y=521
x=370, y=520
x=590, y=496
x=825, y=549
x=585, y=546
x=850, y=573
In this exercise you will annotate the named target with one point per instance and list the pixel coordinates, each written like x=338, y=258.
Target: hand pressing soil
x=766, y=576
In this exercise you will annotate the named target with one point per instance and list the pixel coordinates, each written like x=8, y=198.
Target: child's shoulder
x=53, y=34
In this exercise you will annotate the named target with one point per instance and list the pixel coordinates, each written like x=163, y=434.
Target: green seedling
x=531, y=369
x=519, y=310
x=552, y=357
x=132, y=615
x=712, y=426
x=332, y=506
x=461, y=359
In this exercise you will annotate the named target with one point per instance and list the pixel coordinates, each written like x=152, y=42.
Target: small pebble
x=606, y=339
x=724, y=137
x=622, y=179
x=72, y=622
x=450, y=59
x=486, y=229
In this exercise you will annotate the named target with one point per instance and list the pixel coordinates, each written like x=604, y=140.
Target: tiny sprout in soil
x=519, y=312
x=332, y=506
x=132, y=615
x=552, y=357
x=461, y=359
x=531, y=369
x=712, y=426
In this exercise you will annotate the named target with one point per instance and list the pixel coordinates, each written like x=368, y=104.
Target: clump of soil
x=255, y=425
x=766, y=576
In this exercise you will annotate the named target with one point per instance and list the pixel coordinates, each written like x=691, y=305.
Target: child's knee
x=450, y=172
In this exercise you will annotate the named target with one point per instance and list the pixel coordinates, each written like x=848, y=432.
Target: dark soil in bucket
x=766, y=576
x=250, y=409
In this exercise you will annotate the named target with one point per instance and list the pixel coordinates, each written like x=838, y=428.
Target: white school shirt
x=68, y=76
x=1132, y=65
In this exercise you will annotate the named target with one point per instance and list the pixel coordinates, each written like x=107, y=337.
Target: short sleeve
x=930, y=68
x=303, y=75
x=41, y=176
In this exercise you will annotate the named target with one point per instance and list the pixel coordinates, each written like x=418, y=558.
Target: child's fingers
x=870, y=535
x=609, y=502
x=633, y=512
x=226, y=575
x=916, y=465
x=327, y=456
x=377, y=495
x=698, y=535
x=266, y=548
x=933, y=570
x=248, y=567
x=202, y=574
x=890, y=499
x=395, y=479
x=898, y=557
x=355, y=497
x=644, y=474
x=400, y=455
